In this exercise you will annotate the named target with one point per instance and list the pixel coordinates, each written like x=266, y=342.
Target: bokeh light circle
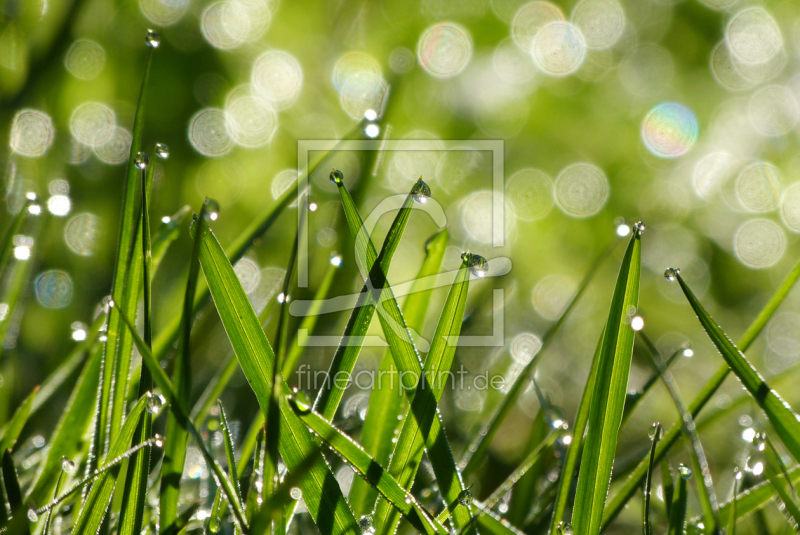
x=32, y=133
x=208, y=132
x=81, y=233
x=529, y=194
x=559, y=48
x=524, y=347
x=53, y=289
x=669, y=130
x=758, y=187
x=351, y=64
x=248, y=273
x=753, y=36
x=444, y=49
x=278, y=77
x=531, y=18
x=713, y=170
x=283, y=181
x=552, y=294
x=362, y=92
x=250, y=120
x=759, y=243
x=401, y=60
x=225, y=25
x=790, y=207
x=773, y=110
x=163, y=12
x=581, y=190
x=92, y=123
x=117, y=149
x=600, y=21
x=85, y=59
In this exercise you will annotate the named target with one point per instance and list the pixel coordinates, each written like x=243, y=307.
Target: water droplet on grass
x=162, y=151
x=211, y=212
x=477, y=264
x=421, y=192
x=684, y=471
x=32, y=515
x=152, y=39
x=67, y=465
x=671, y=274
x=155, y=402
x=337, y=177
x=564, y=528
x=465, y=498
x=366, y=524
x=141, y=160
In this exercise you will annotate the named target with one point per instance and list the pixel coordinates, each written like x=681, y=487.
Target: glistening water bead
x=684, y=471
x=152, y=39
x=638, y=228
x=671, y=274
x=421, y=192
x=366, y=524
x=337, y=176
x=465, y=498
x=141, y=160
x=211, y=212
x=477, y=264
x=162, y=151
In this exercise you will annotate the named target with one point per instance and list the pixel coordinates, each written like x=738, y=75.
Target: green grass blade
x=634, y=402
x=13, y=428
x=166, y=233
x=575, y=447
x=705, y=484
x=14, y=496
x=7, y=245
x=309, y=322
x=118, y=346
x=776, y=474
x=420, y=417
x=677, y=516
x=386, y=398
x=667, y=483
x=634, y=481
x=750, y=500
x=477, y=450
x=180, y=523
x=95, y=506
x=785, y=421
x=368, y=468
x=608, y=396
x=525, y=489
x=255, y=495
x=655, y=436
x=176, y=433
x=321, y=493
x=344, y=359
x=162, y=381
x=75, y=420
x=229, y=452
x=731, y=524
x=491, y=523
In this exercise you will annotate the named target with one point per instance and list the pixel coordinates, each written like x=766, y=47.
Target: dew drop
x=671, y=274
x=477, y=264
x=337, y=177
x=162, y=151
x=421, y=192
x=564, y=528
x=684, y=471
x=152, y=39
x=211, y=212
x=141, y=160
x=302, y=401
x=32, y=515
x=67, y=465
x=296, y=493
x=656, y=431
x=465, y=498
x=638, y=228
x=760, y=442
x=366, y=524
x=155, y=402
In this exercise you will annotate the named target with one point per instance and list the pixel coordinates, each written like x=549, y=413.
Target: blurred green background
x=682, y=114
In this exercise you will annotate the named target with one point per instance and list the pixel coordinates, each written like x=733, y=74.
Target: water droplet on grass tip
x=67, y=465
x=684, y=471
x=671, y=274
x=465, y=498
x=152, y=39
x=162, y=151
x=141, y=160
x=366, y=524
x=656, y=431
x=155, y=402
x=639, y=227
x=211, y=212
x=337, y=176
x=301, y=400
x=477, y=264
x=421, y=192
